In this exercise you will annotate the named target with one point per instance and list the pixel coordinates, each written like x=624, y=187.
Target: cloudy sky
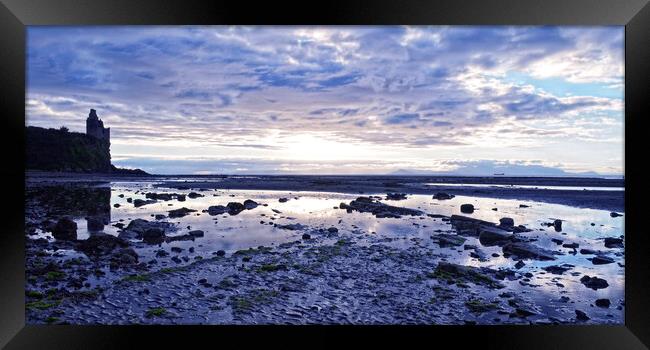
x=338, y=100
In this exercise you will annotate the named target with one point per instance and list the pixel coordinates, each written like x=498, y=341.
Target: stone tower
x=95, y=127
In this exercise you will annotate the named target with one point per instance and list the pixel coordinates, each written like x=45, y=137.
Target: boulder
x=603, y=303
x=524, y=250
x=467, y=208
x=282, y=200
x=65, y=229
x=594, y=282
x=442, y=196
x=101, y=244
x=612, y=242
x=508, y=222
x=235, y=208
x=581, y=316
x=178, y=213
x=250, y=204
x=217, y=210
x=490, y=236
x=601, y=260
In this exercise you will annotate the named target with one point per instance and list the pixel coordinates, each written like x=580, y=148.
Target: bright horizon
x=446, y=100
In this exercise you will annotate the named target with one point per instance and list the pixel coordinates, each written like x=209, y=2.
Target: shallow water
x=316, y=210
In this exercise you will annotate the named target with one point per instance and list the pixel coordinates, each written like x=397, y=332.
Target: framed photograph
x=448, y=170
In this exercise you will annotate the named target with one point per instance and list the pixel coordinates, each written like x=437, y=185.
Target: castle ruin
x=95, y=127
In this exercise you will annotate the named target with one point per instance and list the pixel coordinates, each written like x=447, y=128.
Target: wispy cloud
x=382, y=94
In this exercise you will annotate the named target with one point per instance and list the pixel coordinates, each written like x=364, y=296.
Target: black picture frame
x=15, y=15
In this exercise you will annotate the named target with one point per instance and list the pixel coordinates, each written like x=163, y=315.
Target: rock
x=571, y=245
x=159, y=216
x=178, y=213
x=101, y=244
x=176, y=259
x=306, y=236
x=217, y=210
x=291, y=227
x=194, y=195
x=176, y=249
x=524, y=206
x=250, y=204
x=65, y=229
x=129, y=200
x=196, y=233
x=458, y=273
x=490, y=236
x=468, y=226
x=594, y=282
x=478, y=254
x=581, y=316
x=603, y=303
x=557, y=241
x=396, y=196
x=116, y=205
x=443, y=196
x=221, y=253
x=153, y=235
x=612, y=242
x=447, y=240
x=524, y=250
x=379, y=210
x=332, y=230
x=235, y=208
x=585, y=251
x=557, y=224
x=161, y=253
x=124, y=256
x=508, y=222
x=615, y=214
x=467, y=208
x=180, y=198
x=127, y=235
x=186, y=237
x=282, y=200
x=519, y=264
x=601, y=260
x=140, y=202
x=556, y=269
x=95, y=224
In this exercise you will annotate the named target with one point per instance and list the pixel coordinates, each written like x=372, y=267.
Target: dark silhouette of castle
x=95, y=127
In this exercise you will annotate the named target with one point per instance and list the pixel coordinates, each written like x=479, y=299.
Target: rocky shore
x=156, y=267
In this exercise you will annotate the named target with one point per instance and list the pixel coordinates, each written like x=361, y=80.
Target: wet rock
x=379, y=210
x=282, y=200
x=306, y=236
x=508, y=222
x=524, y=250
x=194, y=195
x=601, y=260
x=519, y=264
x=196, y=233
x=153, y=235
x=124, y=256
x=217, y=210
x=250, y=204
x=603, y=303
x=615, y=214
x=557, y=224
x=581, y=316
x=490, y=236
x=116, y=205
x=571, y=245
x=159, y=216
x=557, y=269
x=140, y=202
x=178, y=213
x=478, y=254
x=95, y=224
x=557, y=241
x=594, y=282
x=101, y=244
x=468, y=226
x=586, y=251
x=443, y=196
x=396, y=196
x=235, y=208
x=65, y=229
x=458, y=273
x=612, y=242
x=467, y=208
x=186, y=237
x=448, y=240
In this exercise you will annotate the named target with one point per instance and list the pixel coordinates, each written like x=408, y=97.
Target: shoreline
x=422, y=185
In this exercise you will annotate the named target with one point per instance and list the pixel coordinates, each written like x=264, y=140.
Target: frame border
x=15, y=15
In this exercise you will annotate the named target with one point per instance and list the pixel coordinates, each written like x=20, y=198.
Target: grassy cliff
x=61, y=150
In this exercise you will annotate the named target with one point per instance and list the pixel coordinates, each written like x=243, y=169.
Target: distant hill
x=65, y=151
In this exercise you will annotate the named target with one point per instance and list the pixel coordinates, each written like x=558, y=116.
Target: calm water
x=252, y=228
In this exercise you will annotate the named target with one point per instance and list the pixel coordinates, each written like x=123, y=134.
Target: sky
x=460, y=100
